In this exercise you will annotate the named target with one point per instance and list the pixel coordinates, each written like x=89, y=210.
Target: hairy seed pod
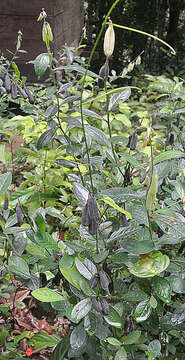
x=93, y=281
x=22, y=92
x=85, y=216
x=124, y=220
x=105, y=306
x=14, y=91
x=93, y=227
x=92, y=207
x=96, y=305
x=30, y=95
x=19, y=215
x=128, y=325
x=132, y=142
x=5, y=203
x=103, y=279
x=7, y=83
x=170, y=139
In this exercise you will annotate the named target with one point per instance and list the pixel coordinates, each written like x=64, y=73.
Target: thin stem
x=83, y=85
x=108, y=121
x=147, y=34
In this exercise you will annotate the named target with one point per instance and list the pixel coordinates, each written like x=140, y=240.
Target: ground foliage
x=92, y=214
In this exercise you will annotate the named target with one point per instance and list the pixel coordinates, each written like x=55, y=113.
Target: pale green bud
x=109, y=40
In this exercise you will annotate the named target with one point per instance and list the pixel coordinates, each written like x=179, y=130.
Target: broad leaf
x=5, y=182
x=83, y=269
x=162, y=289
x=43, y=340
x=97, y=135
x=113, y=318
x=119, y=97
x=19, y=267
x=150, y=265
x=47, y=295
x=168, y=155
x=81, y=193
x=61, y=349
x=121, y=354
x=154, y=348
x=81, y=309
x=78, y=337
x=142, y=311
x=40, y=64
x=46, y=241
x=111, y=202
x=132, y=338
x=45, y=138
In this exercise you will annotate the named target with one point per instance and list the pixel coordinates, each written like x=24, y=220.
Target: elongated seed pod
x=128, y=325
x=22, y=92
x=14, y=91
x=19, y=215
x=30, y=95
x=124, y=221
x=103, y=279
x=93, y=281
x=5, y=203
x=152, y=191
x=105, y=306
x=7, y=82
x=96, y=305
x=93, y=227
x=92, y=207
x=85, y=216
x=132, y=142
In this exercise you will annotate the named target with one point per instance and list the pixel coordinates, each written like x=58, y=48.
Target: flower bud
x=109, y=40
x=47, y=34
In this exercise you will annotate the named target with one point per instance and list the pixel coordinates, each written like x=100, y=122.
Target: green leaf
x=177, y=284
x=113, y=341
x=19, y=267
x=47, y=295
x=153, y=302
x=97, y=135
x=121, y=195
x=76, y=279
x=19, y=244
x=113, y=318
x=67, y=261
x=168, y=155
x=154, y=348
x=92, y=114
x=40, y=64
x=43, y=340
x=119, y=97
x=61, y=349
x=45, y=138
x=162, y=289
x=178, y=317
x=65, y=163
x=150, y=265
x=121, y=354
x=81, y=309
x=98, y=258
x=5, y=182
x=142, y=311
x=111, y=202
x=83, y=269
x=132, y=338
x=78, y=338
x=81, y=193
x=46, y=241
